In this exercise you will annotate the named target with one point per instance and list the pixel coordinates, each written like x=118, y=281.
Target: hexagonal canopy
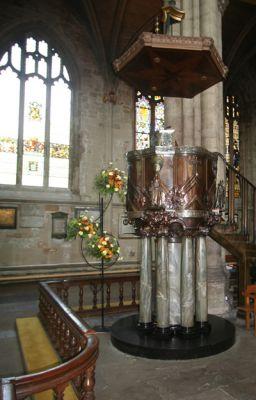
x=172, y=66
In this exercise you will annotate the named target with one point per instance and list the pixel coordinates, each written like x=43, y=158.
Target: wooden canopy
x=173, y=66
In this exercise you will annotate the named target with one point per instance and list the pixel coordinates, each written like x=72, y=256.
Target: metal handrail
x=247, y=217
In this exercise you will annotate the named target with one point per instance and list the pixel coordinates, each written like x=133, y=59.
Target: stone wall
x=102, y=131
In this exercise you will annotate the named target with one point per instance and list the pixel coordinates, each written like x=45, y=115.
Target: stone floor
x=226, y=376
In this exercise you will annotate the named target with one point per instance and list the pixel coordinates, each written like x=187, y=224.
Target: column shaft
x=174, y=276
x=201, y=280
x=162, y=316
x=145, y=313
x=188, y=284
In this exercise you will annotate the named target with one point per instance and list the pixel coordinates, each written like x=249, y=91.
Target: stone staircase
x=238, y=233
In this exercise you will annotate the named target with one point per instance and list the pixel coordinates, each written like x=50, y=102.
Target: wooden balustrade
x=77, y=346
x=121, y=292
x=243, y=206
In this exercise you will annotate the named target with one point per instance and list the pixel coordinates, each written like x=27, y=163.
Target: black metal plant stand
x=102, y=265
x=102, y=328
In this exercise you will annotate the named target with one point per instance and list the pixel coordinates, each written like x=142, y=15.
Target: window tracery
x=149, y=118
x=35, y=104
x=232, y=138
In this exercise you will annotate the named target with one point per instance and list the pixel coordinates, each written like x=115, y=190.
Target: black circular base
x=189, y=332
x=126, y=337
x=175, y=329
x=145, y=327
x=162, y=333
x=203, y=327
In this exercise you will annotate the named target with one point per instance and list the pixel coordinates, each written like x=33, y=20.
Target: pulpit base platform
x=126, y=336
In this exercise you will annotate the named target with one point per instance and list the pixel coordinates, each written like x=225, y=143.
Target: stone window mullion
x=21, y=117
x=47, y=123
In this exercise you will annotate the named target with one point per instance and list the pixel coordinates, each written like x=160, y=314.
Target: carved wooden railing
x=238, y=233
x=76, y=344
x=121, y=292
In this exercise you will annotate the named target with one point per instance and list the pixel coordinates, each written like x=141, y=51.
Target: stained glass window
x=149, y=118
x=232, y=142
x=35, y=104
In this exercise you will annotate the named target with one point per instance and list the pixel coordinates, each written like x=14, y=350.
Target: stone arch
x=44, y=31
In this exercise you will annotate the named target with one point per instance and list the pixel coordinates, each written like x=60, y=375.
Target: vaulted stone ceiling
x=114, y=24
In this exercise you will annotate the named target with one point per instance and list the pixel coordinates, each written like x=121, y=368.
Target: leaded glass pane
x=59, y=135
x=227, y=152
x=42, y=68
x=43, y=48
x=30, y=65
x=149, y=118
x=232, y=136
x=143, y=115
x=4, y=59
x=142, y=141
x=34, y=132
x=58, y=172
x=30, y=45
x=55, y=66
x=159, y=116
x=16, y=56
x=9, y=106
x=65, y=73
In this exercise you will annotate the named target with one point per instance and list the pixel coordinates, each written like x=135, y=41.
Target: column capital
x=222, y=5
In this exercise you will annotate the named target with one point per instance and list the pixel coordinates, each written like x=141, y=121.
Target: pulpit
x=172, y=198
x=175, y=195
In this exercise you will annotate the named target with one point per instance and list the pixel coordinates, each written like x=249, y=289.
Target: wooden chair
x=250, y=306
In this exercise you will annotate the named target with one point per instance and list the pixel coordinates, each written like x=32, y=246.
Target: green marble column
x=162, y=308
x=188, y=286
x=174, y=280
x=145, y=311
x=201, y=281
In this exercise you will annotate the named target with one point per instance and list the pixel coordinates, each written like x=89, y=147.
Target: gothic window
x=35, y=106
x=232, y=143
x=149, y=118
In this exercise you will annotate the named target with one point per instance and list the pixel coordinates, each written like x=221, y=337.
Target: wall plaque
x=59, y=225
x=126, y=230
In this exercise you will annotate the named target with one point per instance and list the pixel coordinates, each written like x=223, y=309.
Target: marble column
x=162, y=315
x=188, y=286
x=201, y=282
x=145, y=311
x=174, y=281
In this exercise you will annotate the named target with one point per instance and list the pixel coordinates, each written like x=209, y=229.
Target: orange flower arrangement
x=105, y=246
x=83, y=226
x=112, y=180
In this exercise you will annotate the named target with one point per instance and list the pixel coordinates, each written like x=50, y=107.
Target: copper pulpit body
x=173, y=197
x=172, y=191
